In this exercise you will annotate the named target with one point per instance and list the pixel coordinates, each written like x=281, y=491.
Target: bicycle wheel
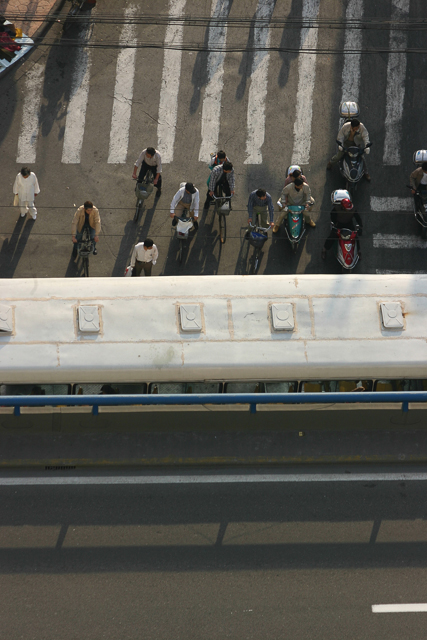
x=180, y=252
x=137, y=210
x=86, y=267
x=222, y=228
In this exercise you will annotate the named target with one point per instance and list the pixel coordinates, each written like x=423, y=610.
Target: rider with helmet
x=342, y=218
x=351, y=134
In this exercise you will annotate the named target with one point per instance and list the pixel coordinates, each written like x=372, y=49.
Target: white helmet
x=340, y=194
x=292, y=168
x=349, y=110
x=420, y=156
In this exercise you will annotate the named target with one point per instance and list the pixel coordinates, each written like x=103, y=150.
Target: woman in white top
x=26, y=187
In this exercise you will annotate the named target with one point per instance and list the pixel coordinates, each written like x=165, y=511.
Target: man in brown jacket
x=86, y=216
x=419, y=178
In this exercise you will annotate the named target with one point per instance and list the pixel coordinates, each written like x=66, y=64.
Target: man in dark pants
x=342, y=218
x=150, y=160
x=223, y=174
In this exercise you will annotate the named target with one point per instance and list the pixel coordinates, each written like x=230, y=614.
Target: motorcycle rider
x=298, y=193
x=351, y=134
x=418, y=182
x=342, y=218
x=186, y=198
x=294, y=173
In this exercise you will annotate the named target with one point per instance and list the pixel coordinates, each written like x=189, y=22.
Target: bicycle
x=256, y=236
x=85, y=248
x=222, y=208
x=142, y=191
x=182, y=230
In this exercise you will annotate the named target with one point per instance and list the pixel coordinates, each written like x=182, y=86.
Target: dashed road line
x=399, y=608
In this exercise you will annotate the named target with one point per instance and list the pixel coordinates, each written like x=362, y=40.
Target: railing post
x=252, y=407
x=16, y=410
x=95, y=410
x=405, y=407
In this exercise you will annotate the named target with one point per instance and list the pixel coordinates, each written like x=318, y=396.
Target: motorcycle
x=420, y=197
x=347, y=244
x=352, y=167
x=294, y=226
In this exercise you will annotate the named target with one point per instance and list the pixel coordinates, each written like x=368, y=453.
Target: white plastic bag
x=128, y=271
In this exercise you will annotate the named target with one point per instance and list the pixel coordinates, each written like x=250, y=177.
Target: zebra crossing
x=169, y=103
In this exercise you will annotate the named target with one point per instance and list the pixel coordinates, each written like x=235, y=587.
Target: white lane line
x=123, y=92
x=385, y=272
x=399, y=608
x=168, y=106
x=215, y=479
x=396, y=75
x=27, y=142
x=391, y=204
x=211, y=111
x=352, y=42
x=306, y=80
x=258, y=88
x=77, y=104
x=391, y=241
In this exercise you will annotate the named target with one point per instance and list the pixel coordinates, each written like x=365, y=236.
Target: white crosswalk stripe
x=123, y=92
x=352, y=42
x=211, y=111
x=396, y=75
x=77, y=105
x=392, y=241
x=391, y=204
x=27, y=142
x=168, y=107
x=258, y=88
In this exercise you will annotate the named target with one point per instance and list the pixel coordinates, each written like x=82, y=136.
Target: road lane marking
x=123, y=92
x=352, y=42
x=196, y=535
x=211, y=110
x=399, y=608
x=392, y=241
x=212, y=479
x=391, y=204
x=259, y=82
x=306, y=80
x=77, y=104
x=385, y=272
x=396, y=76
x=27, y=142
x=247, y=533
x=402, y=531
x=168, y=106
x=29, y=536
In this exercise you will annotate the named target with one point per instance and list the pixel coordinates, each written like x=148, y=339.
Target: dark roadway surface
x=44, y=248
x=241, y=561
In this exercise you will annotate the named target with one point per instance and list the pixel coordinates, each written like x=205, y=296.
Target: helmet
x=346, y=203
x=338, y=195
x=292, y=168
x=349, y=110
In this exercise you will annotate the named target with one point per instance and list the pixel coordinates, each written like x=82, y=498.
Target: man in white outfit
x=26, y=187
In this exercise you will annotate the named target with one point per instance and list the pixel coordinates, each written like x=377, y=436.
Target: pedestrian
x=150, y=160
x=144, y=256
x=26, y=187
x=186, y=198
x=261, y=204
x=86, y=216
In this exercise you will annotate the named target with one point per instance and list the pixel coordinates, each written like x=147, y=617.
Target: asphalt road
x=275, y=560
x=45, y=86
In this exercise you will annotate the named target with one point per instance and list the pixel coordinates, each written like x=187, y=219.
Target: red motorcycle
x=347, y=248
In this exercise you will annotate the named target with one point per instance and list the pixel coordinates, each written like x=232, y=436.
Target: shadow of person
x=201, y=72
x=291, y=37
x=242, y=262
x=255, y=39
x=12, y=250
x=74, y=269
x=201, y=258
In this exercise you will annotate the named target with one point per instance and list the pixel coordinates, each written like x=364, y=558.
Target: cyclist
x=150, y=160
x=261, y=204
x=222, y=174
x=186, y=198
x=86, y=216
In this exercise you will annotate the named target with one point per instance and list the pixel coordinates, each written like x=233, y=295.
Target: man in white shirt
x=26, y=187
x=144, y=255
x=187, y=197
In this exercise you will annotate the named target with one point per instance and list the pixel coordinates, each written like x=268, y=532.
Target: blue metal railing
x=252, y=399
